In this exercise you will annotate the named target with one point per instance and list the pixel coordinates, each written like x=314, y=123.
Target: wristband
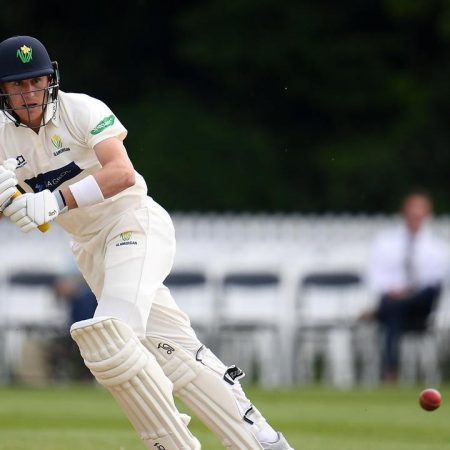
x=86, y=192
x=61, y=202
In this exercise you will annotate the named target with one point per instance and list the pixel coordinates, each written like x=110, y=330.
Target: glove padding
x=31, y=210
x=8, y=188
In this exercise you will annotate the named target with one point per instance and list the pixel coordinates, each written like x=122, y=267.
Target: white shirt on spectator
x=387, y=269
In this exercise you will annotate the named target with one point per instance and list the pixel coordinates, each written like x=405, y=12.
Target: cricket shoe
x=281, y=444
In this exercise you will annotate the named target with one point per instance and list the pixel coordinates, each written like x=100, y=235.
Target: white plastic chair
x=250, y=317
x=30, y=313
x=328, y=305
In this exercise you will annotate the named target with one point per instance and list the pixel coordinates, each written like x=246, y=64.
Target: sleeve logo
x=104, y=123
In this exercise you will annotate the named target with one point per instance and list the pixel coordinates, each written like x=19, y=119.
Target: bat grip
x=42, y=228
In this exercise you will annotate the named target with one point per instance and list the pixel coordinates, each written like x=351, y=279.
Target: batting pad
x=205, y=393
x=119, y=361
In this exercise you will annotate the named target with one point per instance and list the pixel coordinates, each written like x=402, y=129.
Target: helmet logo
x=25, y=54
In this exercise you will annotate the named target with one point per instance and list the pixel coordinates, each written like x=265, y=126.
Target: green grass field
x=86, y=417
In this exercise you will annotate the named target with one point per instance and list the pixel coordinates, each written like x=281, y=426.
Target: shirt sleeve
x=92, y=121
x=432, y=261
x=103, y=124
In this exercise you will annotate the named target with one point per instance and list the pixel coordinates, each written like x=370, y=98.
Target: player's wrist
x=59, y=196
x=86, y=192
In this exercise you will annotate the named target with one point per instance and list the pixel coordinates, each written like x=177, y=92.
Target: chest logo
x=56, y=141
x=58, y=144
x=25, y=54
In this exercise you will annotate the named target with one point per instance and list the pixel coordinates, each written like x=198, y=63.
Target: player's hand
x=8, y=188
x=31, y=210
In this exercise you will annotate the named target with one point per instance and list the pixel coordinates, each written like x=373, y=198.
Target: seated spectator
x=406, y=270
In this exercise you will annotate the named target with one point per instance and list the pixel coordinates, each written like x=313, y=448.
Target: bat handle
x=42, y=228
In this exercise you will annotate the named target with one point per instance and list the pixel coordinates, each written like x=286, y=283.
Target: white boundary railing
x=291, y=245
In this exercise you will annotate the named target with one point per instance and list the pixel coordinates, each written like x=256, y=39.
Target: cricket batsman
x=66, y=152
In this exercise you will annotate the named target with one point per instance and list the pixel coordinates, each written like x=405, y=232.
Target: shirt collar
x=52, y=113
x=423, y=231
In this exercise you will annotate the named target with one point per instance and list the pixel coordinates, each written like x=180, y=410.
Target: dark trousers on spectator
x=397, y=316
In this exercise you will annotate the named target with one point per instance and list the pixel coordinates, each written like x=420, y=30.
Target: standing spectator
x=407, y=268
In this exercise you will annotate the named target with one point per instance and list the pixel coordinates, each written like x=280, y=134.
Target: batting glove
x=31, y=210
x=8, y=188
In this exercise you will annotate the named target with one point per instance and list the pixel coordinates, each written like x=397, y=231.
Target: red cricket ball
x=430, y=399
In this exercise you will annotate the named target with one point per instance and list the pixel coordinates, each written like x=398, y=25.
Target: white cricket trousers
x=125, y=265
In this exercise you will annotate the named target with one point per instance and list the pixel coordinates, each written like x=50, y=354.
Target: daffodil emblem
x=56, y=141
x=126, y=236
x=25, y=54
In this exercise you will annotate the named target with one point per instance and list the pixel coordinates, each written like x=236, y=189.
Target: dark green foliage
x=265, y=105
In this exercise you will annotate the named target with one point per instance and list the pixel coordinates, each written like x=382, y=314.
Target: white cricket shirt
x=62, y=153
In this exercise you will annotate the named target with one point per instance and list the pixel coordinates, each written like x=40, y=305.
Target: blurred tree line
x=261, y=105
